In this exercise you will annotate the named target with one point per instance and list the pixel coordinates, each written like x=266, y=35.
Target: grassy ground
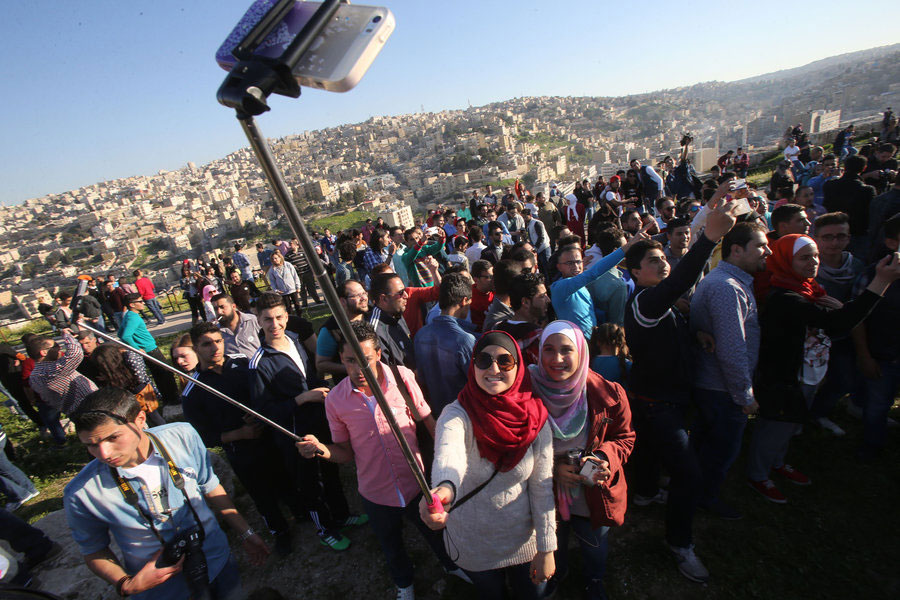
x=353, y=219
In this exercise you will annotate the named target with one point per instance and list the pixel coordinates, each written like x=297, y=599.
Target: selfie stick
x=246, y=89
x=196, y=381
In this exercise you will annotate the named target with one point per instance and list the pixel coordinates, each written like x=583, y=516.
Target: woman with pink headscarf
x=591, y=424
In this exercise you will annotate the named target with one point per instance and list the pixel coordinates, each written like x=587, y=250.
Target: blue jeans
x=716, y=438
x=594, y=548
x=663, y=440
x=14, y=484
x=387, y=524
x=50, y=417
x=22, y=537
x=491, y=584
x=156, y=309
x=879, y=398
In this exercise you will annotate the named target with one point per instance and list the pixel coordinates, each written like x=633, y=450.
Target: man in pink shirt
x=387, y=486
x=147, y=291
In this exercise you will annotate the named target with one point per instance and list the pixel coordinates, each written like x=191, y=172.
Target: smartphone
x=337, y=60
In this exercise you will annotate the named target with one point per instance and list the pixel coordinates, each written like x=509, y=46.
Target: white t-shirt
x=473, y=253
x=151, y=473
x=300, y=361
x=791, y=152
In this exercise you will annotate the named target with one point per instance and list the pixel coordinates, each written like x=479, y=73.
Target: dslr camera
x=190, y=545
x=686, y=139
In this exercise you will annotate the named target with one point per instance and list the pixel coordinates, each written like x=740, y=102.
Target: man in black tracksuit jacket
x=660, y=379
x=248, y=443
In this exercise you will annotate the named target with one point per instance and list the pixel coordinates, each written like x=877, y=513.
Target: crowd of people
x=529, y=346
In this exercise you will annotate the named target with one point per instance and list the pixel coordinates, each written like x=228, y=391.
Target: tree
x=528, y=180
x=359, y=194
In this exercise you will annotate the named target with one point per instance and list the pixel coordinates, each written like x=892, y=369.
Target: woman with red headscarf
x=796, y=319
x=493, y=464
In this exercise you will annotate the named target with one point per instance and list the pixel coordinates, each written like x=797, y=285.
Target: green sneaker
x=335, y=542
x=354, y=521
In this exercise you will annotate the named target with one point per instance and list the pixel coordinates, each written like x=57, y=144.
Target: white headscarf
x=571, y=211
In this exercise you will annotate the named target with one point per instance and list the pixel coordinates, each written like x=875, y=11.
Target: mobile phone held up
x=337, y=59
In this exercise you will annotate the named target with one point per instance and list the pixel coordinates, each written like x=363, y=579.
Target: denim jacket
x=95, y=508
x=443, y=351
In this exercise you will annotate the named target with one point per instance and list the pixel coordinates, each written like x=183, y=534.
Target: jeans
x=22, y=537
x=117, y=317
x=387, y=524
x=716, y=438
x=879, y=398
x=543, y=258
x=768, y=447
x=594, y=548
x=14, y=484
x=662, y=439
x=50, y=418
x=292, y=302
x=156, y=309
x=308, y=288
x=491, y=584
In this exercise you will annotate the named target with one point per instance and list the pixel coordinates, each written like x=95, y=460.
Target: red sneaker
x=793, y=475
x=767, y=488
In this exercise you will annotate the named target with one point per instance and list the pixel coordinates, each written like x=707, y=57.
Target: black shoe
x=283, y=544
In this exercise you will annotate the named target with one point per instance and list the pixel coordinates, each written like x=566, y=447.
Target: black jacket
x=784, y=319
x=850, y=195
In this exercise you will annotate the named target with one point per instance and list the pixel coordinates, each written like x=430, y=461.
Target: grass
x=350, y=220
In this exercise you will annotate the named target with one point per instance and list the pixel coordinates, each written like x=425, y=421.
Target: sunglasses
x=505, y=362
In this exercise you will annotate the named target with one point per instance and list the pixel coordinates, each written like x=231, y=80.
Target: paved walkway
x=175, y=323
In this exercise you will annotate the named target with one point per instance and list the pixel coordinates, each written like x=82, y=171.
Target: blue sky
x=104, y=89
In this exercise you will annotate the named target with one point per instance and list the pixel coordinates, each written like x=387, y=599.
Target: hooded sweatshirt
x=839, y=282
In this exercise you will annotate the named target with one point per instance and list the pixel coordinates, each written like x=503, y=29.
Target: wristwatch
x=244, y=536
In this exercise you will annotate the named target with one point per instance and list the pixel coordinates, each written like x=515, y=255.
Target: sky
x=104, y=89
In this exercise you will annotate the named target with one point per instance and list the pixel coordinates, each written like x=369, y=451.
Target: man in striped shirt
x=56, y=381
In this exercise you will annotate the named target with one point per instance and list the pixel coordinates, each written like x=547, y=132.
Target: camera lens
x=376, y=19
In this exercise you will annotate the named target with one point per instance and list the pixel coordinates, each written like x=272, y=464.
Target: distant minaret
x=423, y=107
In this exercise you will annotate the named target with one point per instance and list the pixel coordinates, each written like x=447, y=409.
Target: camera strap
x=131, y=496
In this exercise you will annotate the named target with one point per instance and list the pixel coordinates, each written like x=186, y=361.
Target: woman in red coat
x=591, y=423
x=574, y=214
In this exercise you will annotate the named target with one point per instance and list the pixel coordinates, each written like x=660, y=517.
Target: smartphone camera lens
x=376, y=19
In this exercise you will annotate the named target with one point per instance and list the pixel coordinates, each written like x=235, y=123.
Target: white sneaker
x=17, y=504
x=661, y=497
x=826, y=423
x=406, y=593
x=457, y=572
x=689, y=565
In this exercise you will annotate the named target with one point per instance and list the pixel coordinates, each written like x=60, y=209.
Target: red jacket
x=610, y=434
x=414, y=315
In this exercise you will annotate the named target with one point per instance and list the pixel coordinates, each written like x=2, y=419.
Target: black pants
x=262, y=474
x=292, y=302
x=308, y=287
x=196, y=306
x=663, y=439
x=165, y=381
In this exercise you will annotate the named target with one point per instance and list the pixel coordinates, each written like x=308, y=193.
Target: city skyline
x=103, y=99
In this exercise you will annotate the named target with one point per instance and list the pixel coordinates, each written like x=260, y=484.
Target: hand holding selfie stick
x=196, y=381
x=246, y=89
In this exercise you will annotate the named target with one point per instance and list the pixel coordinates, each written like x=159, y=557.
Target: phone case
x=337, y=60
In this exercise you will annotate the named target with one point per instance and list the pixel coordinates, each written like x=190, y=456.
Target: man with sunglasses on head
x=147, y=487
x=389, y=297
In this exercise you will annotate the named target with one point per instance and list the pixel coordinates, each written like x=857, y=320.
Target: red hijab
x=780, y=272
x=504, y=425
